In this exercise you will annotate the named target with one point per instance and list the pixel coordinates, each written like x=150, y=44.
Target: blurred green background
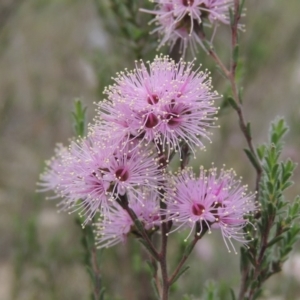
x=52, y=51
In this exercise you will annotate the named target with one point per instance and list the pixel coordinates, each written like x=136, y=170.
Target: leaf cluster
x=275, y=228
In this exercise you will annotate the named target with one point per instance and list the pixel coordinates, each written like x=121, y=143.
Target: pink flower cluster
x=150, y=113
x=184, y=19
x=165, y=102
x=213, y=201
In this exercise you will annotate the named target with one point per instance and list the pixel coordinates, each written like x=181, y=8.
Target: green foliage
x=276, y=222
x=91, y=259
x=128, y=23
x=79, y=118
x=211, y=291
x=181, y=272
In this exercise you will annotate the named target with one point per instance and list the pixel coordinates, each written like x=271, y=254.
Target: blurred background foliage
x=52, y=51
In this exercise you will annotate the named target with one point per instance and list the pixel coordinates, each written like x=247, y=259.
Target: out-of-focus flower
x=50, y=180
x=211, y=201
x=89, y=176
x=183, y=20
x=166, y=103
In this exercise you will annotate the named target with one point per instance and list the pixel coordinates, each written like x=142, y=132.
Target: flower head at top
x=89, y=176
x=210, y=201
x=166, y=103
x=183, y=19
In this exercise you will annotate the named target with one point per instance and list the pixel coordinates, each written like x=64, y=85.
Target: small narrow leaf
x=261, y=151
x=243, y=259
x=221, y=72
x=275, y=240
x=286, y=185
x=102, y=294
x=232, y=102
x=235, y=55
x=252, y=159
x=152, y=267
x=241, y=6
x=79, y=117
x=231, y=15
x=149, y=249
x=181, y=272
x=153, y=283
x=232, y=294
x=187, y=251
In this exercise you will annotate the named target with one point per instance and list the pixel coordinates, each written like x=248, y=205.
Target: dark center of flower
x=151, y=121
x=214, y=210
x=122, y=174
x=172, y=119
x=198, y=209
x=173, y=102
x=188, y=2
x=152, y=99
x=155, y=218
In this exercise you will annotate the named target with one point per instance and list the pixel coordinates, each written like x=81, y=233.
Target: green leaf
x=235, y=55
x=252, y=159
x=152, y=267
x=145, y=244
x=231, y=15
x=153, y=283
x=219, y=69
x=286, y=185
x=139, y=225
x=232, y=102
x=189, y=248
x=274, y=241
x=278, y=129
x=181, y=272
x=102, y=293
x=244, y=262
x=232, y=294
x=261, y=151
x=275, y=172
x=270, y=187
x=79, y=117
x=271, y=209
x=242, y=3
x=91, y=273
x=248, y=129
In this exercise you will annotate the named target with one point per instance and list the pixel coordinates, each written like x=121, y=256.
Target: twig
x=230, y=74
x=123, y=201
x=163, y=261
x=97, y=274
x=190, y=248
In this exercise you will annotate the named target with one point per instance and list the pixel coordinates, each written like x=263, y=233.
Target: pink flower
x=212, y=201
x=165, y=103
x=217, y=10
x=89, y=176
x=113, y=229
x=49, y=179
x=74, y=177
x=118, y=225
x=183, y=19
